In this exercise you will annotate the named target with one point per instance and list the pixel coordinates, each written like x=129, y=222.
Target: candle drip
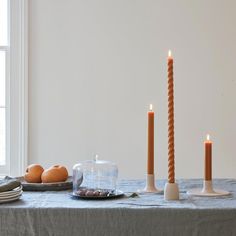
x=171, y=148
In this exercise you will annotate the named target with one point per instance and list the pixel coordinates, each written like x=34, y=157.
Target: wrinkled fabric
x=55, y=213
x=8, y=184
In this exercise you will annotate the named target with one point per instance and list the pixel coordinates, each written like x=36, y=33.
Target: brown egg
x=54, y=174
x=33, y=173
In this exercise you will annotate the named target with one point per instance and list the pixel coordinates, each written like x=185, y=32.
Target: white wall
x=96, y=65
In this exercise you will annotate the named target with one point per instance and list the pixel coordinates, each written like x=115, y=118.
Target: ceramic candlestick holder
x=171, y=191
x=207, y=190
x=150, y=185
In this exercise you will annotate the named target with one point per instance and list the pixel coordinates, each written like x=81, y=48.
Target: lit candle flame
x=208, y=137
x=169, y=53
x=150, y=107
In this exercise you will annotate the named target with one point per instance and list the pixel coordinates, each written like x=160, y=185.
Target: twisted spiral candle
x=171, y=146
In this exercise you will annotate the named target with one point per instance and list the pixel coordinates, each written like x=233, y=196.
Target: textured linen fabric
x=55, y=213
x=8, y=184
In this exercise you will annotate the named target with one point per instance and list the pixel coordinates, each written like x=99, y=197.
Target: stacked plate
x=11, y=195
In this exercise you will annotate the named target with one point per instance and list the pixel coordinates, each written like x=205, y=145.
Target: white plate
x=14, y=191
x=10, y=199
x=11, y=196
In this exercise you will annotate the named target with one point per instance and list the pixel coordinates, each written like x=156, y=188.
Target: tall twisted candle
x=171, y=144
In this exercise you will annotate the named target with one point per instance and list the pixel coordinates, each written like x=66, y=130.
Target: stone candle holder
x=171, y=191
x=207, y=190
x=150, y=185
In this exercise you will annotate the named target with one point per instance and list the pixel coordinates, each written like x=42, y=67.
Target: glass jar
x=95, y=174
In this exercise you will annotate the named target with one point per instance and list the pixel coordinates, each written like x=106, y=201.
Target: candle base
x=150, y=185
x=171, y=191
x=207, y=190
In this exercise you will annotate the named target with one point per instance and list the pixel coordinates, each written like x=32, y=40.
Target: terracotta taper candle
x=150, y=162
x=150, y=177
x=208, y=159
x=171, y=191
x=208, y=190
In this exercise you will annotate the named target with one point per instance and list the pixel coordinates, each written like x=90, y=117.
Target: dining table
x=58, y=213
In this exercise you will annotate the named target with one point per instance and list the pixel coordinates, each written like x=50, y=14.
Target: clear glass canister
x=95, y=174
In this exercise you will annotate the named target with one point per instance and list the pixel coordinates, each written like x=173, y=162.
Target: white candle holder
x=150, y=185
x=207, y=190
x=171, y=191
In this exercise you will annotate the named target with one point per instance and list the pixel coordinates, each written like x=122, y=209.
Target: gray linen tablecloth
x=55, y=213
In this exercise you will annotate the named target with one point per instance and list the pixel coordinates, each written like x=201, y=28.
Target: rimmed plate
x=10, y=199
x=46, y=186
x=13, y=195
x=115, y=194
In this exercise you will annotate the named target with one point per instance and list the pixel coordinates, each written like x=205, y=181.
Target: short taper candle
x=150, y=161
x=208, y=158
